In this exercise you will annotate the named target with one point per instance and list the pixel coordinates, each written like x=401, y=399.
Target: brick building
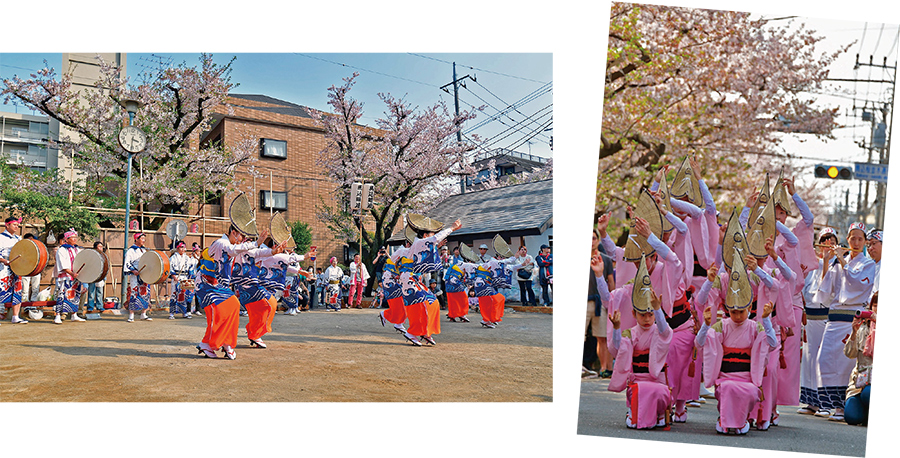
x=285, y=176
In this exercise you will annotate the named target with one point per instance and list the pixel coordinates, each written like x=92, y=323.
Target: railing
x=24, y=135
x=27, y=160
x=503, y=152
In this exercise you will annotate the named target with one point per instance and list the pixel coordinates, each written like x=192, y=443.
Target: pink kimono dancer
x=684, y=362
x=785, y=367
x=647, y=394
x=737, y=393
x=791, y=328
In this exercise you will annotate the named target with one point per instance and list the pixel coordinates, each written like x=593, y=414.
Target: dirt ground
x=313, y=356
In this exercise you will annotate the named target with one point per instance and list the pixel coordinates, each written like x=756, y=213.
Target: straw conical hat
x=280, y=230
x=735, y=241
x=687, y=184
x=666, y=204
x=241, y=214
x=637, y=244
x=761, y=202
x=739, y=295
x=642, y=292
x=501, y=247
x=409, y=233
x=780, y=195
x=761, y=229
x=423, y=223
x=466, y=252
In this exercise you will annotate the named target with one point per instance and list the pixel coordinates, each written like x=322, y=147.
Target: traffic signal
x=834, y=172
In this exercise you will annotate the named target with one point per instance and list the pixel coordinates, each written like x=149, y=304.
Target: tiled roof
x=518, y=208
x=287, y=108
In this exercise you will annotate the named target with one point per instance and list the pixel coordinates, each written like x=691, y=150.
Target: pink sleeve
x=712, y=357
x=659, y=350
x=758, y=358
x=622, y=368
x=781, y=296
x=805, y=247
x=704, y=238
x=672, y=278
x=620, y=300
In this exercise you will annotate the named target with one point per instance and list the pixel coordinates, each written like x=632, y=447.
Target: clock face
x=132, y=139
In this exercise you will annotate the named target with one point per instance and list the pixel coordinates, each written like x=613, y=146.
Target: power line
x=518, y=126
x=366, y=70
x=535, y=132
x=495, y=108
x=479, y=69
x=528, y=98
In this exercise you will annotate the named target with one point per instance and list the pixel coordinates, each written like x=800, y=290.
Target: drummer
x=182, y=275
x=138, y=291
x=10, y=283
x=68, y=288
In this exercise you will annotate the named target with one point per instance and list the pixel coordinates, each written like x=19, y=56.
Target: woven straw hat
x=666, y=206
x=780, y=195
x=280, y=231
x=466, y=252
x=501, y=247
x=642, y=292
x=760, y=229
x=687, y=184
x=739, y=295
x=423, y=223
x=637, y=244
x=764, y=197
x=735, y=240
x=241, y=214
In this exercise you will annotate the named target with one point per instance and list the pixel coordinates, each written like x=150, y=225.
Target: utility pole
x=863, y=208
x=883, y=142
x=457, y=82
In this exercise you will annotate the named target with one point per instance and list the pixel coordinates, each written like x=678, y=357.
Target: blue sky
x=501, y=80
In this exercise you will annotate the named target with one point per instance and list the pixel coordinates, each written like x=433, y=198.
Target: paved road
x=602, y=413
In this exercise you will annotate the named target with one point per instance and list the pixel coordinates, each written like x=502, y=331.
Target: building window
x=273, y=148
x=266, y=200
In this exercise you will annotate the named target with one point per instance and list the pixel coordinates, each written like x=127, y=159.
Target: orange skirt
x=396, y=312
x=260, y=314
x=491, y=307
x=424, y=318
x=222, y=321
x=457, y=304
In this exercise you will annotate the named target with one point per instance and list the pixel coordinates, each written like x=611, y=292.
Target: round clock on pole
x=132, y=139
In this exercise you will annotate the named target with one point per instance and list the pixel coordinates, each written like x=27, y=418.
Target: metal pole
x=127, y=224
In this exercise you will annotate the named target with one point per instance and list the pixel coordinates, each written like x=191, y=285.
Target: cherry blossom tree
x=718, y=85
x=177, y=105
x=411, y=158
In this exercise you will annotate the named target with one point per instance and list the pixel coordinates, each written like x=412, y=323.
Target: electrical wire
x=476, y=68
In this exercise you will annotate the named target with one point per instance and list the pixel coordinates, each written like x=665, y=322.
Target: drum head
x=90, y=266
x=153, y=267
x=241, y=214
x=29, y=257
